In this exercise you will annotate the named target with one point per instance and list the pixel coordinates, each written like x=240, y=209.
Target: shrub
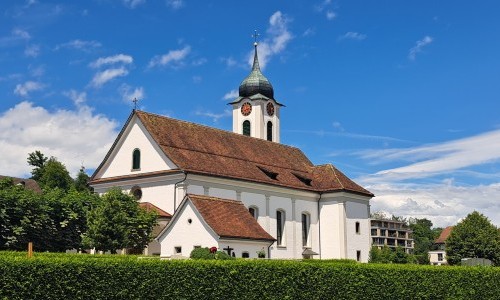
x=207, y=253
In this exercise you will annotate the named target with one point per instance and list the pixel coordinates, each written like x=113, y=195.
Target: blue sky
x=401, y=96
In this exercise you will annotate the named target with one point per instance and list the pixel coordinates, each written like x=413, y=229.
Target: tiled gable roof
x=29, y=184
x=151, y=207
x=444, y=235
x=209, y=151
x=229, y=218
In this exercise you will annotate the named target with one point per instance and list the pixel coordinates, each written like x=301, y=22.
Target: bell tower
x=255, y=112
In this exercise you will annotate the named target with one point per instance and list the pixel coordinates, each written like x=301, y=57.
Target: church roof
x=229, y=218
x=151, y=207
x=29, y=184
x=444, y=235
x=256, y=82
x=209, y=151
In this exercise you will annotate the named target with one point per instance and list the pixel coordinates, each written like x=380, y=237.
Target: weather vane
x=255, y=35
x=135, y=103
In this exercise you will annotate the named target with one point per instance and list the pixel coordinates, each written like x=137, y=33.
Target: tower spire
x=255, y=65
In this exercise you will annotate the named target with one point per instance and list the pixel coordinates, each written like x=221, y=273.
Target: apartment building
x=392, y=234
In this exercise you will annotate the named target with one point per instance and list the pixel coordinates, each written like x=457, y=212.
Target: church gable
x=134, y=152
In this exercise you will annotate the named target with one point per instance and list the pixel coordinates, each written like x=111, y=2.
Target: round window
x=137, y=193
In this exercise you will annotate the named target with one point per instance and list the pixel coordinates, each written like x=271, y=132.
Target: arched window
x=136, y=159
x=254, y=211
x=306, y=224
x=245, y=254
x=280, y=227
x=269, y=131
x=246, y=128
x=136, y=192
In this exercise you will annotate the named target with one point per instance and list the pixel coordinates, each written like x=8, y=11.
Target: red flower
x=213, y=249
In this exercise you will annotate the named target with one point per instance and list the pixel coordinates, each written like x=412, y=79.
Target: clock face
x=246, y=109
x=270, y=109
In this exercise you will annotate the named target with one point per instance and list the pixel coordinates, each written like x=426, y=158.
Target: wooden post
x=30, y=249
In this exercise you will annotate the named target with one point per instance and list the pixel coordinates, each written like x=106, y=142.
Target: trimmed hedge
x=126, y=277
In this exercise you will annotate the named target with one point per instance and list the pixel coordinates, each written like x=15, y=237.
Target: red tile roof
x=29, y=184
x=209, y=151
x=151, y=207
x=444, y=235
x=229, y=218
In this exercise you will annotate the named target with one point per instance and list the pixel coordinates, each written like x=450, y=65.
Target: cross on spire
x=135, y=103
x=255, y=35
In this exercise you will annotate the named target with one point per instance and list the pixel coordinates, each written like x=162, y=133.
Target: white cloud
x=73, y=136
x=229, y=61
x=115, y=59
x=419, y=46
x=352, y=36
x=309, y=32
x=278, y=37
x=231, y=95
x=175, y=4
x=86, y=46
x=330, y=15
x=128, y=93
x=32, y=51
x=100, y=78
x=133, y=3
x=173, y=57
x=16, y=36
x=215, y=117
x=321, y=6
x=21, y=34
x=37, y=71
x=78, y=98
x=24, y=89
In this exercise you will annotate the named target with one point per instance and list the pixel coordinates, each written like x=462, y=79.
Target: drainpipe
x=319, y=225
x=269, y=250
x=175, y=190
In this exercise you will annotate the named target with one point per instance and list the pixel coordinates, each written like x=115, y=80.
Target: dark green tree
x=117, y=221
x=82, y=180
x=55, y=175
x=37, y=160
x=424, y=237
x=475, y=236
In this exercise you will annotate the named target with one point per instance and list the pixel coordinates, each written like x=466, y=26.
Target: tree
x=55, y=175
x=81, y=181
x=37, y=160
x=424, y=237
x=117, y=221
x=475, y=236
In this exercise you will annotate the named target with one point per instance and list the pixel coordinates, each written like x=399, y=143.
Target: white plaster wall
x=222, y=193
x=187, y=235
x=241, y=246
x=330, y=233
x=433, y=257
x=120, y=161
x=311, y=208
x=357, y=212
x=284, y=204
x=195, y=189
x=259, y=201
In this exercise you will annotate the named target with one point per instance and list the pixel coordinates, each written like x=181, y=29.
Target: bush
x=126, y=277
x=205, y=253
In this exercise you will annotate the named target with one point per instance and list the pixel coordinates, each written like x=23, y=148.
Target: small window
x=280, y=227
x=245, y=255
x=254, y=211
x=270, y=174
x=304, y=180
x=440, y=256
x=270, y=131
x=357, y=228
x=246, y=128
x=306, y=224
x=178, y=250
x=136, y=159
x=358, y=255
x=136, y=192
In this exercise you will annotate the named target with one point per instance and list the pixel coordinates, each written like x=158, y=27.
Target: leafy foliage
x=125, y=277
x=387, y=255
x=81, y=181
x=474, y=236
x=117, y=221
x=37, y=160
x=205, y=253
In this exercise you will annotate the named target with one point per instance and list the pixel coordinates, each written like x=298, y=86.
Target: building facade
x=392, y=234
x=242, y=191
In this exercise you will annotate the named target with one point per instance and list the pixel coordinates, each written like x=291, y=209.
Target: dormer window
x=136, y=159
x=270, y=174
x=304, y=180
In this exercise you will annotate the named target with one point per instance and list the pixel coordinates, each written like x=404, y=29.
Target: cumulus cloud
x=129, y=93
x=175, y=4
x=115, y=59
x=23, y=89
x=16, y=36
x=78, y=98
x=100, y=78
x=323, y=7
x=231, y=95
x=172, y=58
x=82, y=45
x=419, y=46
x=278, y=37
x=214, y=116
x=352, y=36
x=330, y=15
x=32, y=51
x=73, y=136
x=133, y=3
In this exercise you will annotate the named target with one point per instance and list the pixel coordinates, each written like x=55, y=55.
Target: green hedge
x=127, y=277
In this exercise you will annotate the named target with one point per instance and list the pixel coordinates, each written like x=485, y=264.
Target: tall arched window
x=269, y=131
x=136, y=159
x=246, y=128
x=280, y=227
x=306, y=224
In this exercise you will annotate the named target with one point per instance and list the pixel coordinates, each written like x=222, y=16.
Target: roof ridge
x=213, y=198
x=336, y=176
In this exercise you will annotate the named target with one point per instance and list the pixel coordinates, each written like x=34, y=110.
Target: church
x=243, y=191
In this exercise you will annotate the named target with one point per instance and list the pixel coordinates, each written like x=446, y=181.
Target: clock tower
x=255, y=112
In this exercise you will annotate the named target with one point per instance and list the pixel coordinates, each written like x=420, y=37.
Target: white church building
x=242, y=191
